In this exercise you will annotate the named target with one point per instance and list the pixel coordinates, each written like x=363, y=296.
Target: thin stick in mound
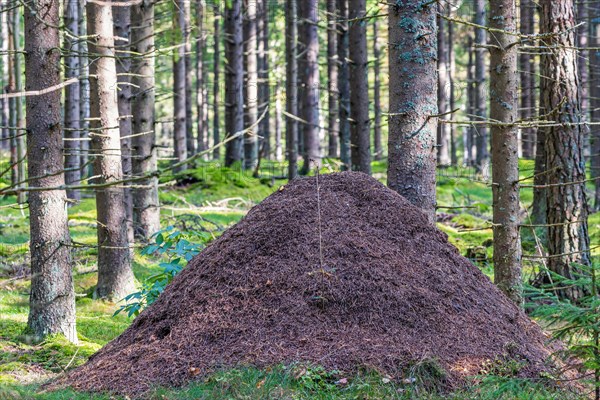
x=390, y=291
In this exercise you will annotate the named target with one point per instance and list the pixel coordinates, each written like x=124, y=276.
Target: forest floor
x=219, y=197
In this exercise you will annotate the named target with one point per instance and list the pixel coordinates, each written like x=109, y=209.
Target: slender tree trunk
x=146, y=209
x=264, y=91
x=443, y=130
x=333, y=125
x=344, y=84
x=469, y=156
x=179, y=85
x=234, y=81
x=250, y=87
x=200, y=44
x=481, y=92
x=115, y=277
x=527, y=80
x=377, y=91
x=309, y=39
x=12, y=102
x=52, y=296
x=71, y=117
x=20, y=140
x=504, y=83
x=6, y=132
x=451, y=73
x=567, y=210
x=122, y=19
x=359, y=95
x=84, y=93
x=413, y=99
x=206, y=105
x=216, y=81
x=189, y=77
x=594, y=77
x=581, y=38
x=278, y=123
x=291, y=87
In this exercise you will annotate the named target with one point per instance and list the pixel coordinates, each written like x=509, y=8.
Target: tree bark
x=413, y=100
x=308, y=61
x=122, y=19
x=264, y=91
x=84, y=93
x=504, y=83
x=234, y=81
x=250, y=87
x=344, y=85
x=216, y=82
x=52, y=296
x=189, y=78
x=291, y=87
x=359, y=95
x=567, y=210
x=179, y=85
x=594, y=79
x=115, y=277
x=19, y=140
x=333, y=125
x=468, y=132
x=200, y=44
x=377, y=91
x=480, y=90
x=443, y=130
x=528, y=136
x=146, y=209
x=71, y=117
x=452, y=87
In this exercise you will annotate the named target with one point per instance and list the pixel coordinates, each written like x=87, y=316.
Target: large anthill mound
x=390, y=292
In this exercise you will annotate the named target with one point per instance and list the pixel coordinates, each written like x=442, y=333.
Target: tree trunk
x=189, y=78
x=443, y=130
x=504, y=83
x=377, y=91
x=250, y=87
x=6, y=132
x=581, y=38
x=470, y=150
x=264, y=91
x=179, y=76
x=146, y=210
x=71, y=117
x=115, y=277
x=122, y=19
x=52, y=296
x=216, y=82
x=480, y=90
x=594, y=78
x=344, y=84
x=333, y=125
x=234, y=81
x=84, y=93
x=20, y=140
x=308, y=61
x=567, y=210
x=291, y=87
x=527, y=81
x=200, y=44
x=278, y=123
x=12, y=103
x=413, y=99
x=451, y=73
x=359, y=95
